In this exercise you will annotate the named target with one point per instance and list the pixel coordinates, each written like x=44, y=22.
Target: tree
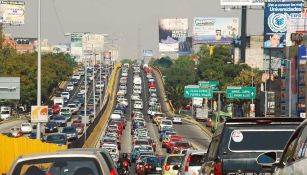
x=181, y=73
x=129, y=61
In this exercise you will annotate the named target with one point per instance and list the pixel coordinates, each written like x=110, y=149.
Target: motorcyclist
x=123, y=164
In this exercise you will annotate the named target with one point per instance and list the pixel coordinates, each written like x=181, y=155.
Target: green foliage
x=55, y=68
x=163, y=63
x=181, y=73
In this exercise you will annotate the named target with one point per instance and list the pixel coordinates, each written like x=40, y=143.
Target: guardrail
x=100, y=122
x=172, y=109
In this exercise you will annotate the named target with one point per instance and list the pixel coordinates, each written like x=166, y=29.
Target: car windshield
x=166, y=122
x=57, y=166
x=182, y=144
x=258, y=140
x=64, y=110
x=109, y=140
x=59, y=118
x=154, y=160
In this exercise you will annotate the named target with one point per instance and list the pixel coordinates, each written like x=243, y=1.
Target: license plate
x=158, y=169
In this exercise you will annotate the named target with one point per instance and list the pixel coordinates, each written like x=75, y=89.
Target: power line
x=58, y=18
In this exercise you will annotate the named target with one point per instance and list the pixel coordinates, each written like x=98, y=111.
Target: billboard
x=215, y=30
x=10, y=88
x=12, y=12
x=276, y=15
x=170, y=31
x=39, y=114
x=185, y=46
x=76, y=48
x=92, y=43
x=242, y=2
x=302, y=56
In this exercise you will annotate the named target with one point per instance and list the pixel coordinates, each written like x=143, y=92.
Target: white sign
x=237, y=136
x=39, y=114
x=242, y=2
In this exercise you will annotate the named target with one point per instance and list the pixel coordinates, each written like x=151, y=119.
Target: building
x=25, y=45
x=8, y=41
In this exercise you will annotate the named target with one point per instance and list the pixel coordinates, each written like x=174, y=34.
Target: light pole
x=85, y=103
x=39, y=58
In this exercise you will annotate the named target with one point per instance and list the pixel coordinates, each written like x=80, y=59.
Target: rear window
x=141, y=142
x=182, y=144
x=174, y=160
x=167, y=122
x=196, y=160
x=258, y=140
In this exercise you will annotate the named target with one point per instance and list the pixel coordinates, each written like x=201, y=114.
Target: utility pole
x=243, y=34
x=39, y=73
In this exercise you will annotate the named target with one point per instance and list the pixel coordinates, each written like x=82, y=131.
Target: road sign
x=209, y=84
x=241, y=92
x=39, y=114
x=197, y=92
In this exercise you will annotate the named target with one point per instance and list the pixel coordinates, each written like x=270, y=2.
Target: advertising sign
x=147, y=53
x=170, y=33
x=302, y=56
x=242, y=2
x=12, y=12
x=39, y=114
x=215, y=30
x=9, y=88
x=92, y=43
x=107, y=56
x=185, y=45
x=76, y=48
x=276, y=15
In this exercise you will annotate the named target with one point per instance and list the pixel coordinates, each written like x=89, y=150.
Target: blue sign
x=147, y=53
x=276, y=15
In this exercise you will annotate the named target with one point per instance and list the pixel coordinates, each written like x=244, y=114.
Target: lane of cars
x=66, y=114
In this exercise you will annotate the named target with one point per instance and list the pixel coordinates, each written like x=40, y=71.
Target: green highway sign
x=197, y=92
x=209, y=84
x=241, y=92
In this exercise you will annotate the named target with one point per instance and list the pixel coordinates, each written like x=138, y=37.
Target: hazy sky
x=128, y=21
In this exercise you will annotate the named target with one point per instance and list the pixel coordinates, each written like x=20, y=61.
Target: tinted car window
x=196, y=160
x=253, y=140
x=174, y=160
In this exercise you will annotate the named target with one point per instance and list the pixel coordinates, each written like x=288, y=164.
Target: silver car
x=69, y=162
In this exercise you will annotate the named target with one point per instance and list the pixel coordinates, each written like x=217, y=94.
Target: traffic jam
x=66, y=120
x=130, y=109
x=140, y=138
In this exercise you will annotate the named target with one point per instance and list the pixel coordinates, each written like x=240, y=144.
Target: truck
x=5, y=112
x=201, y=113
x=58, y=101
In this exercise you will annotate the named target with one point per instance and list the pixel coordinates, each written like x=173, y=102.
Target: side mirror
x=176, y=167
x=267, y=159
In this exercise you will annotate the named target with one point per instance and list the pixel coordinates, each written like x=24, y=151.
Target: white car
x=99, y=84
x=26, y=127
x=149, y=76
x=135, y=97
x=124, y=102
x=151, y=80
x=138, y=105
x=176, y=120
x=124, y=74
x=137, y=86
x=137, y=90
x=165, y=123
x=124, y=89
x=152, y=89
x=65, y=111
x=65, y=95
x=73, y=107
x=70, y=87
x=111, y=148
x=76, y=76
x=137, y=80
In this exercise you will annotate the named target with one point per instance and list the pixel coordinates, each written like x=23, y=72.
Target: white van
x=115, y=116
x=137, y=80
x=5, y=112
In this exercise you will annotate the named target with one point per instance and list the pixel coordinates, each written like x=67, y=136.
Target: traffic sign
x=209, y=84
x=197, y=92
x=241, y=92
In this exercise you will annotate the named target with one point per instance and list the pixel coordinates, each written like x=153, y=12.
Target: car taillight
x=113, y=172
x=167, y=167
x=147, y=167
x=218, y=168
x=125, y=163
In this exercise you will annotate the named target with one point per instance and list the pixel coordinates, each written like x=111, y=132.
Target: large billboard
x=215, y=30
x=242, y=2
x=170, y=33
x=185, y=46
x=92, y=43
x=76, y=48
x=276, y=15
x=12, y=12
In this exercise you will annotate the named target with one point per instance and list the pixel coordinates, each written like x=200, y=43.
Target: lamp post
x=39, y=73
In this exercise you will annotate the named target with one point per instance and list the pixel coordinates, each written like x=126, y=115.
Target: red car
x=152, y=84
x=171, y=142
x=178, y=146
x=56, y=109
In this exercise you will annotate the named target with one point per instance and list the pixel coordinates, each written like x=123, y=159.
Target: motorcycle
x=123, y=167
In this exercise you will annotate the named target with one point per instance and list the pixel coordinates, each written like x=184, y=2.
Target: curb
x=204, y=129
